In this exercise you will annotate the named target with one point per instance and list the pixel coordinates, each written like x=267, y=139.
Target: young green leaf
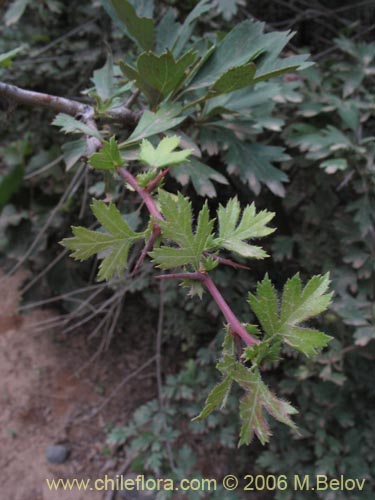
x=163, y=155
x=233, y=232
x=178, y=228
x=108, y=158
x=116, y=242
x=216, y=397
x=297, y=306
x=259, y=398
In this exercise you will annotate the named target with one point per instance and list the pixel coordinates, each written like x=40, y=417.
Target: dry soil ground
x=45, y=400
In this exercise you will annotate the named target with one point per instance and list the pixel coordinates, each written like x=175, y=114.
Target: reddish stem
x=234, y=324
x=147, y=248
x=145, y=195
x=152, y=185
x=227, y=262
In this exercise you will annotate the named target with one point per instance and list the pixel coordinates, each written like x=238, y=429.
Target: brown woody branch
x=61, y=104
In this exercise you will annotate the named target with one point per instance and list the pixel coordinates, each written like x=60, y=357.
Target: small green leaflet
x=72, y=126
x=116, y=242
x=163, y=155
x=298, y=305
x=178, y=227
x=108, y=158
x=234, y=232
x=151, y=123
x=217, y=396
x=259, y=398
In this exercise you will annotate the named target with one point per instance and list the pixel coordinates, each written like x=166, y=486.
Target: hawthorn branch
x=62, y=104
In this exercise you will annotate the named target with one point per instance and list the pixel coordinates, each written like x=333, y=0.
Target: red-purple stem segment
x=235, y=327
x=147, y=248
x=145, y=195
x=152, y=185
x=234, y=324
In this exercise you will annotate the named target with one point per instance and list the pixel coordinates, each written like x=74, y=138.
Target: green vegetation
x=185, y=138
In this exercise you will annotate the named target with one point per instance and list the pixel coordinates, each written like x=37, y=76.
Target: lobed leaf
x=140, y=29
x=297, y=305
x=163, y=155
x=178, y=228
x=108, y=158
x=233, y=231
x=72, y=126
x=155, y=123
x=116, y=242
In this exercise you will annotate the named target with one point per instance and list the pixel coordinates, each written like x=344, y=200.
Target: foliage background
x=324, y=120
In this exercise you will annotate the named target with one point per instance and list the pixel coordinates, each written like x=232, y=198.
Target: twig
x=152, y=185
x=145, y=195
x=62, y=104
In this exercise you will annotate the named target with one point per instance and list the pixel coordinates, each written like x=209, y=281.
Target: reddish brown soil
x=43, y=400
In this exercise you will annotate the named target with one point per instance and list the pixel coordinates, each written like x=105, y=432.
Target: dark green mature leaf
x=116, y=242
x=319, y=143
x=72, y=126
x=234, y=79
x=200, y=175
x=108, y=158
x=157, y=75
x=245, y=43
x=141, y=29
x=253, y=163
x=238, y=47
x=185, y=31
x=234, y=232
x=155, y=123
x=166, y=32
x=297, y=306
x=178, y=228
